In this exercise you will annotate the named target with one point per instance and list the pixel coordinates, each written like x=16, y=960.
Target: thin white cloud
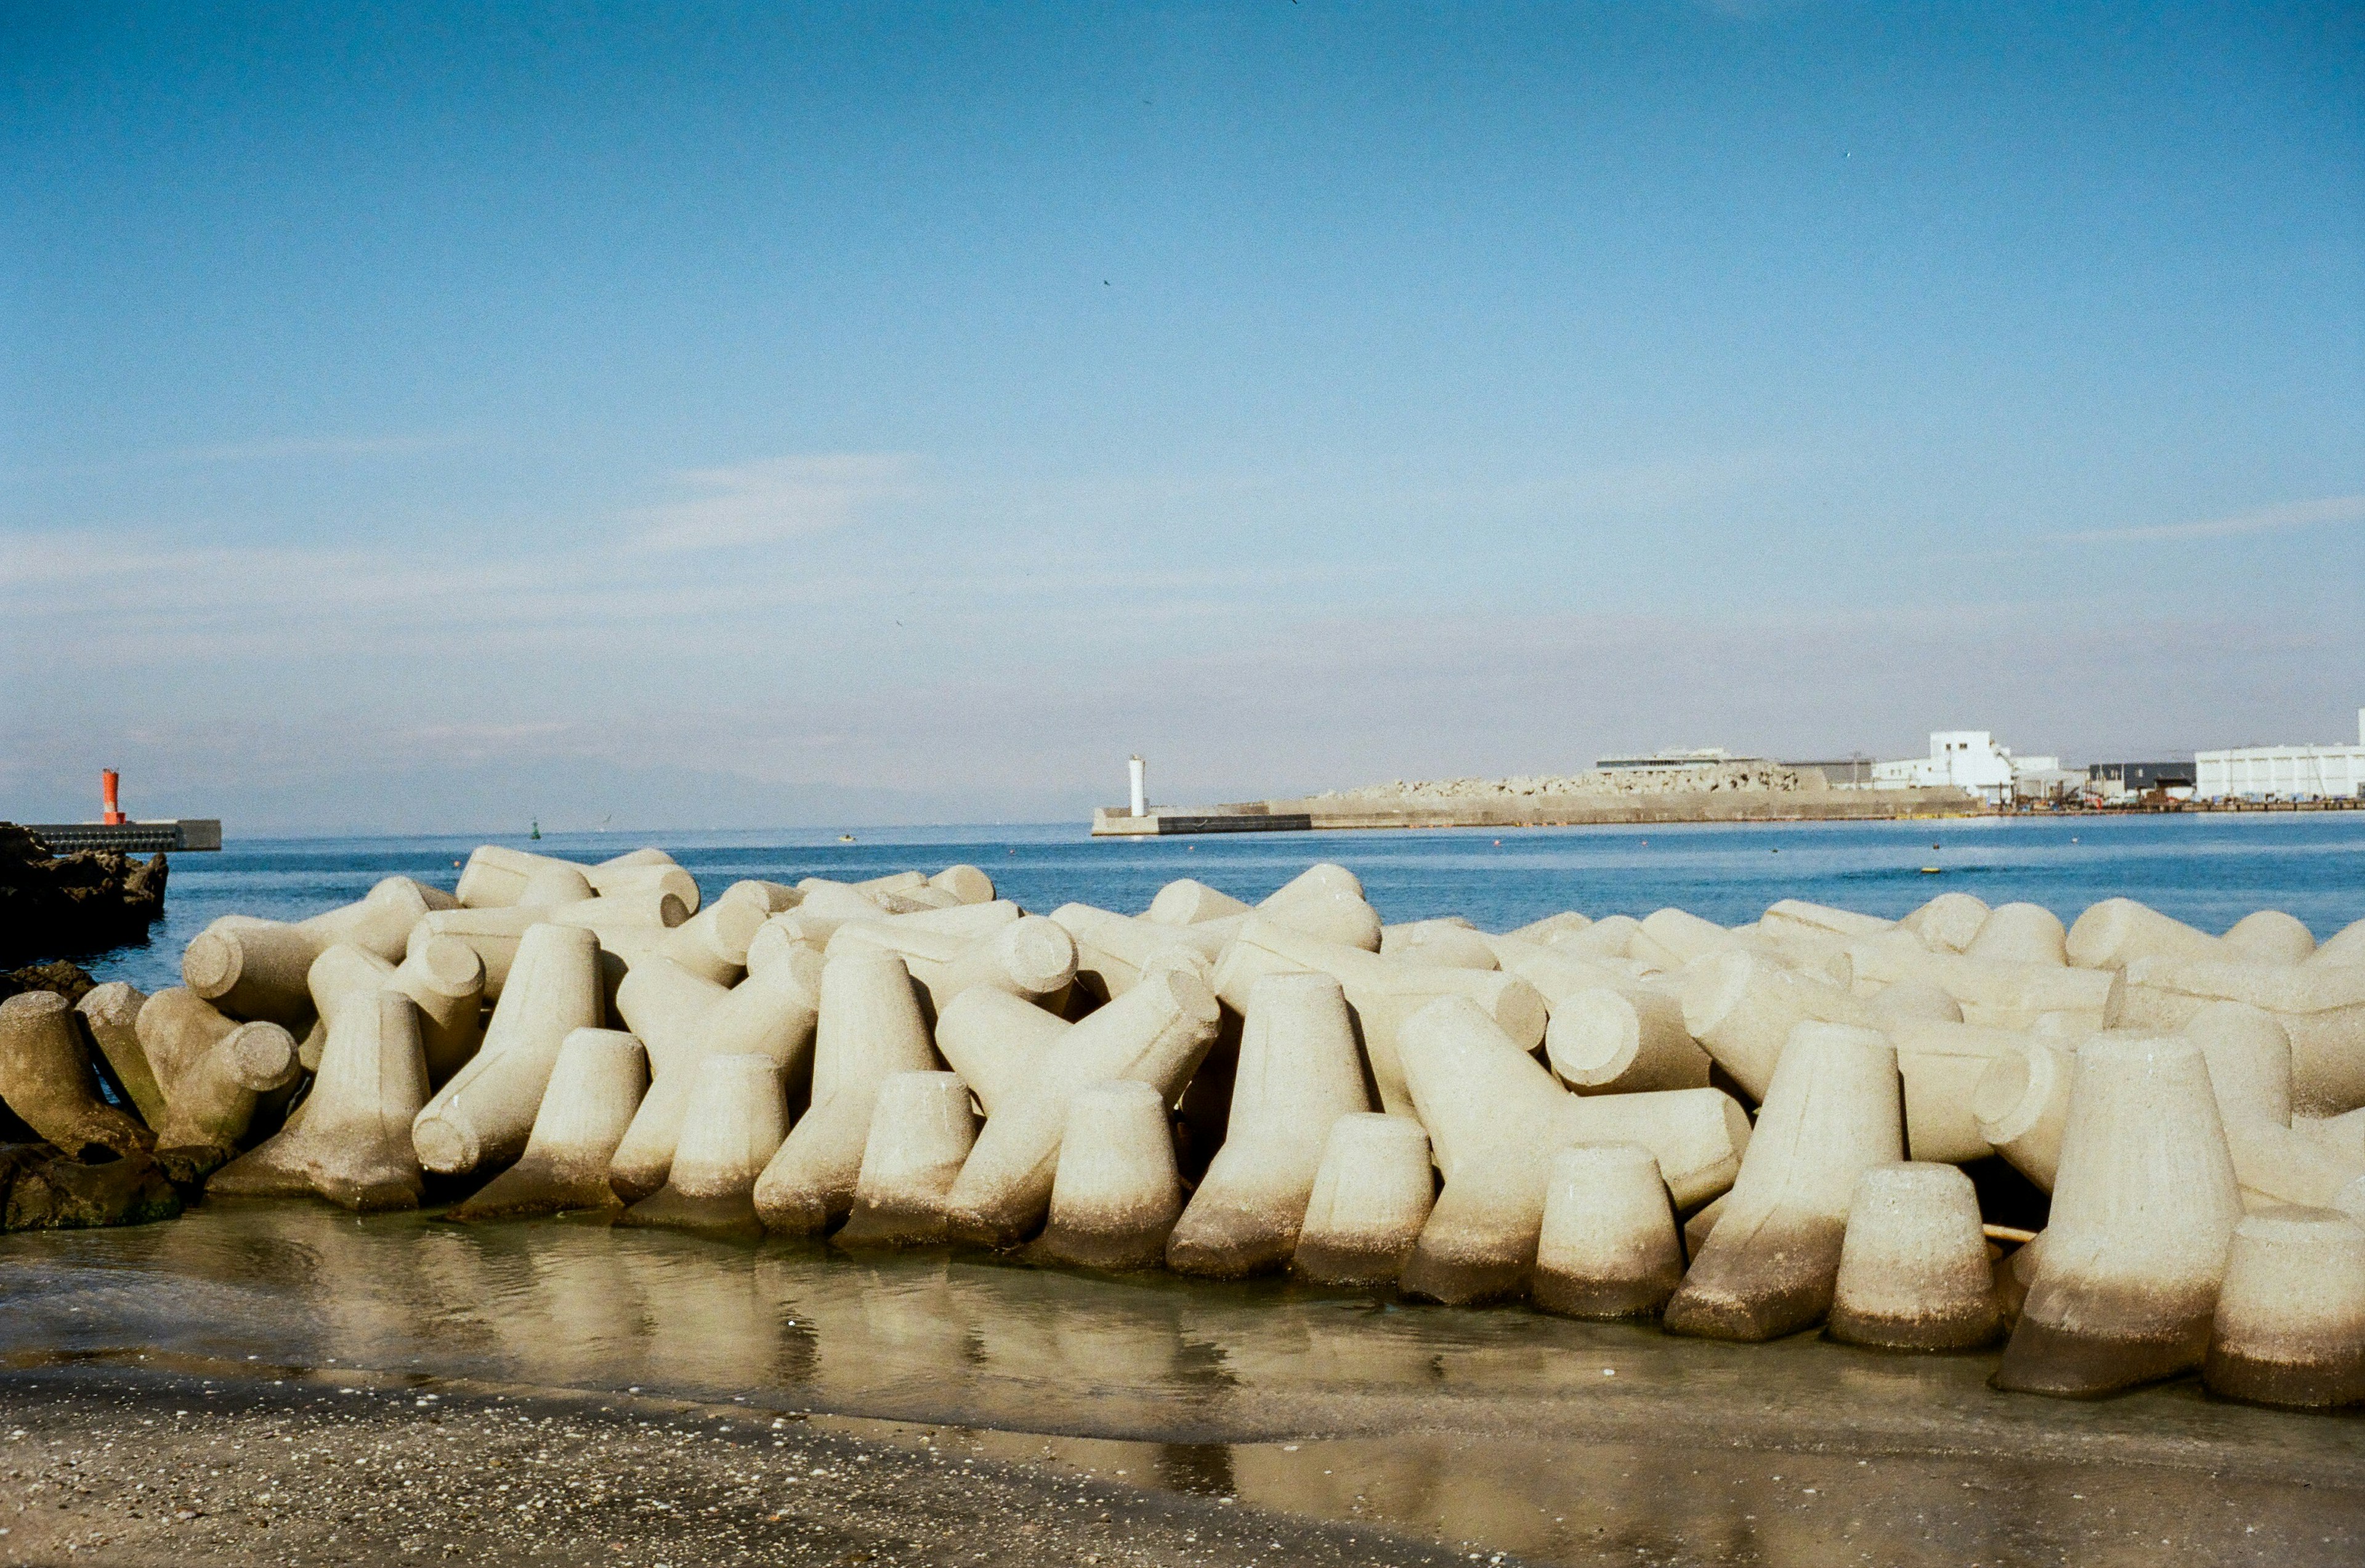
x=2264, y=520
x=781, y=498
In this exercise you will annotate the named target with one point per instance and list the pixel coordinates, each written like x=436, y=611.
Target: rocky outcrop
x=70, y=980
x=57, y=905
x=40, y=1188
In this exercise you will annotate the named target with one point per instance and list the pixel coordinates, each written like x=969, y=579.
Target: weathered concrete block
x=485, y=1115
x=2288, y=1328
x=595, y=1087
x=1115, y=1193
x=1831, y=1113
x=1299, y=1072
x=1371, y=1196
x=1609, y=1247
x=1913, y=1272
x=2127, y=1284
x=737, y=1114
x=921, y=1132
x=46, y=1078
x=870, y=1029
x=350, y=1141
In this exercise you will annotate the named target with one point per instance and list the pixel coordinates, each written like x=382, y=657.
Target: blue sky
x=414, y=418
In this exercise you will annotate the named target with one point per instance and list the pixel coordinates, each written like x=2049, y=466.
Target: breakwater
x=1730, y=792
x=921, y=1062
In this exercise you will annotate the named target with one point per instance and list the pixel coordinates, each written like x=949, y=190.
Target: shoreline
x=185, y=1460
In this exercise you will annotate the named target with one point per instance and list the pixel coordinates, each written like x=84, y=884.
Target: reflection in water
x=1523, y=1433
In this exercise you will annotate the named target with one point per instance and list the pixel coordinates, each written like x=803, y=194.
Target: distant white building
x=2283, y=772
x=1969, y=760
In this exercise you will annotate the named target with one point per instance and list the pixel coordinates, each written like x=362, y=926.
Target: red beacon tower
x=110, y=814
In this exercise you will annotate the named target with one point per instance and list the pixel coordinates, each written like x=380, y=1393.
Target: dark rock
x=54, y=905
x=48, y=1191
x=69, y=980
x=187, y=1165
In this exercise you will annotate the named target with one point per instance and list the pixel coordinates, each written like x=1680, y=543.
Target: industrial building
x=2108, y=782
x=1970, y=759
x=2283, y=772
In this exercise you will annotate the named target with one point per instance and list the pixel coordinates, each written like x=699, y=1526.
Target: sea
x=2206, y=868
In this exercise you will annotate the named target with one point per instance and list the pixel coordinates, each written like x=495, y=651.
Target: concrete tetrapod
x=350, y=1143
x=2127, y=1284
x=444, y=976
x=625, y=921
x=2289, y=1324
x=921, y=1131
x=1912, y=1001
x=2249, y=1060
x=2270, y=936
x=210, y=1069
x=2021, y=934
x=1819, y=919
x=1623, y=1040
x=713, y=942
x=992, y=1039
x=1371, y=1196
x=2022, y=1105
x=1551, y=927
x=1611, y=937
x=1447, y=944
x=1608, y=1032
x=1942, y=1065
x=870, y=1029
x=1114, y=950
x=1114, y=1194
x=1742, y=1008
x=2321, y=1006
x=968, y=883
x=1028, y=955
x=1326, y=902
x=2346, y=945
x=46, y=1078
x=2115, y=933
x=1833, y=1111
x=1188, y=902
x=111, y=1013
x=497, y=877
x=737, y=1114
x=682, y=1020
x=1997, y=994
x=1156, y=1034
x=1488, y=1107
x=485, y=1113
x=1299, y=1072
x=594, y=1089
x=1494, y=1117
x=1383, y=994
x=1913, y=1270
x=255, y=969
x=1609, y=1246
x=1948, y=924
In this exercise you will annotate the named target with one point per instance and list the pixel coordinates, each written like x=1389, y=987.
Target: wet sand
x=107, y=1464
x=1362, y=1431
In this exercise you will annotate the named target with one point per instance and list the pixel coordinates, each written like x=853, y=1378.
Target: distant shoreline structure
x=1731, y=791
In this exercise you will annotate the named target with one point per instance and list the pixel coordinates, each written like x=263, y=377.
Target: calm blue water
x=2210, y=870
